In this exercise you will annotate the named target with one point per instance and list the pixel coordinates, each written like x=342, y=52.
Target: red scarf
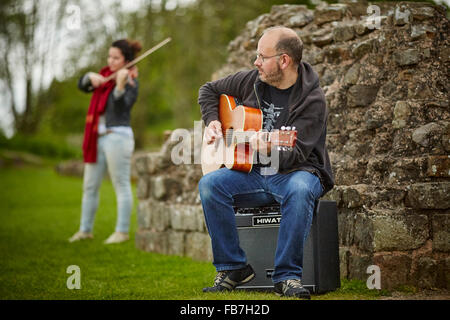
x=96, y=108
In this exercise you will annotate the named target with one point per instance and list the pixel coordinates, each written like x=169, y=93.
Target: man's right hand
x=213, y=132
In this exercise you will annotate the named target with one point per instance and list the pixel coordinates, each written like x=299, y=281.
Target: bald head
x=287, y=41
x=280, y=31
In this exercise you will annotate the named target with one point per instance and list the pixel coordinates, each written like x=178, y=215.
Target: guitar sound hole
x=228, y=137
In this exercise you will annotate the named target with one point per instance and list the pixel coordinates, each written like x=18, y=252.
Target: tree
x=28, y=31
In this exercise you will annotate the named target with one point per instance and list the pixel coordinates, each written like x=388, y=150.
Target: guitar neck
x=284, y=137
x=244, y=136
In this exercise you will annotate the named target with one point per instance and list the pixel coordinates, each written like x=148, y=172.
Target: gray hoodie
x=307, y=112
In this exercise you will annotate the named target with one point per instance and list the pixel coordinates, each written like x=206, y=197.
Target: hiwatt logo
x=271, y=220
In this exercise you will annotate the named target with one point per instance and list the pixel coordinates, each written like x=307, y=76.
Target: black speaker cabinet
x=258, y=234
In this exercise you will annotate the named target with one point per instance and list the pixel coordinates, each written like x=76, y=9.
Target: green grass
x=40, y=210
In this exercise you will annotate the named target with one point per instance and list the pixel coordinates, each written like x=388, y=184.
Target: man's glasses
x=260, y=56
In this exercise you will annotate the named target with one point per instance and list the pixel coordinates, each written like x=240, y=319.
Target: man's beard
x=274, y=77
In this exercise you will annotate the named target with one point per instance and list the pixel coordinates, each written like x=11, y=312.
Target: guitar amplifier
x=258, y=234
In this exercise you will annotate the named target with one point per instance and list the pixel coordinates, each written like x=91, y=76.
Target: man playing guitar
x=287, y=92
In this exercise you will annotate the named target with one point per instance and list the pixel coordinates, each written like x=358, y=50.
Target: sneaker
x=230, y=279
x=117, y=237
x=80, y=235
x=292, y=288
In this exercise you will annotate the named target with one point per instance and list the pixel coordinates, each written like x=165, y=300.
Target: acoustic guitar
x=239, y=123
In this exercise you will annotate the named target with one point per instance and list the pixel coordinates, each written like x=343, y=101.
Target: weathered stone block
x=153, y=241
x=361, y=95
x=438, y=166
x=153, y=215
x=358, y=144
x=336, y=54
x=164, y=187
x=402, y=15
x=406, y=57
x=362, y=48
x=402, y=144
x=446, y=136
x=350, y=172
x=402, y=111
x=346, y=227
x=446, y=272
x=422, y=11
x=143, y=187
x=198, y=246
x=357, y=265
x=441, y=232
x=176, y=242
x=375, y=117
x=156, y=161
x=426, y=273
x=383, y=143
x=344, y=33
x=141, y=238
x=362, y=28
x=377, y=169
x=427, y=135
x=200, y=218
x=407, y=169
x=330, y=13
x=444, y=54
x=322, y=38
x=394, y=268
x=385, y=230
x=328, y=78
x=363, y=232
x=429, y=195
x=143, y=214
x=399, y=232
x=355, y=196
x=186, y=217
x=335, y=142
x=300, y=18
x=141, y=164
x=351, y=76
x=420, y=31
x=344, y=255
x=334, y=194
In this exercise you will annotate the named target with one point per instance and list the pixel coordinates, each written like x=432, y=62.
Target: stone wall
x=387, y=91
x=170, y=216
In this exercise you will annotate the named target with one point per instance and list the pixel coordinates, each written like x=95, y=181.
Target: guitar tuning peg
x=283, y=128
x=288, y=128
x=293, y=128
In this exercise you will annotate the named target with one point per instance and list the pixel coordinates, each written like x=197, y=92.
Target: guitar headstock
x=284, y=138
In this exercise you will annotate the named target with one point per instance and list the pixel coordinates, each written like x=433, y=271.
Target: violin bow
x=142, y=56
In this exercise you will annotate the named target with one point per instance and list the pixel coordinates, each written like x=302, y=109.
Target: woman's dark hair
x=129, y=48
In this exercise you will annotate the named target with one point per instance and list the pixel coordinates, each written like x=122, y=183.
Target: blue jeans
x=296, y=192
x=114, y=152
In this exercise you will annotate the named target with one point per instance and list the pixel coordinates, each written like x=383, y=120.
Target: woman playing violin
x=108, y=138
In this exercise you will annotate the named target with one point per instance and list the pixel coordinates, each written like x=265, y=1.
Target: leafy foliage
x=169, y=79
